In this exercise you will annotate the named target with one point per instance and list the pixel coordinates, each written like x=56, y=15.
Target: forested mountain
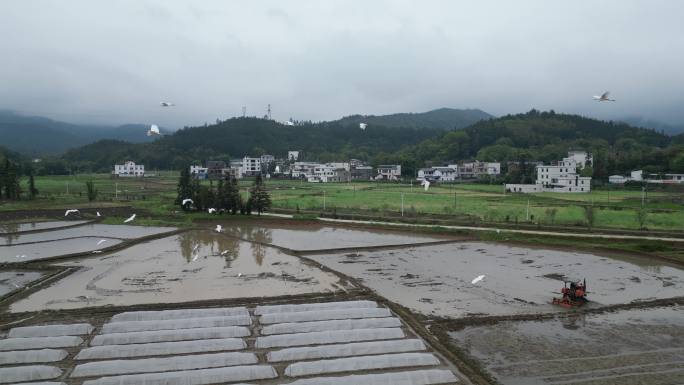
x=38, y=136
x=238, y=137
x=444, y=118
x=547, y=136
x=654, y=124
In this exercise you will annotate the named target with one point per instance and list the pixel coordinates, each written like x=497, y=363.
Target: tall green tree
x=259, y=199
x=91, y=191
x=234, y=199
x=184, y=189
x=32, y=190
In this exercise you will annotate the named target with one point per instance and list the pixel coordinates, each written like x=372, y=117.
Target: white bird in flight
x=426, y=184
x=219, y=228
x=154, y=130
x=166, y=104
x=605, y=97
x=98, y=214
x=363, y=125
x=477, y=279
x=211, y=210
x=132, y=217
x=101, y=241
x=72, y=211
x=186, y=200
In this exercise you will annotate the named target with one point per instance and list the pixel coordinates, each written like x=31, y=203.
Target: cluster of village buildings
x=561, y=176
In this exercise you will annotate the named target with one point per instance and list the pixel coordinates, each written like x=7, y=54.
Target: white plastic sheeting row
x=31, y=356
x=150, y=365
x=344, y=324
x=28, y=373
x=43, y=383
x=192, y=377
x=416, y=377
x=170, y=335
x=160, y=348
x=384, y=361
x=270, y=309
x=345, y=350
x=328, y=337
x=51, y=330
x=39, y=343
x=322, y=315
x=173, y=324
x=179, y=314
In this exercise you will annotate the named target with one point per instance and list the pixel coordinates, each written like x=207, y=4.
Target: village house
x=388, y=172
x=129, y=169
x=562, y=176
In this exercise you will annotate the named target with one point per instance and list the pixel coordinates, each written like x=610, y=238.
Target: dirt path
x=515, y=231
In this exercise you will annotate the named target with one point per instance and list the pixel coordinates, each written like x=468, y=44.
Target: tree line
x=225, y=197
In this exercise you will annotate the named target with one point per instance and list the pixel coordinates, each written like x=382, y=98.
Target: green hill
x=443, y=118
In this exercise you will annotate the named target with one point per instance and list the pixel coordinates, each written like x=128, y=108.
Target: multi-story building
x=129, y=169
x=562, y=176
x=251, y=166
x=362, y=173
x=303, y=169
x=477, y=169
x=215, y=169
x=293, y=156
x=442, y=174
x=388, y=172
x=199, y=172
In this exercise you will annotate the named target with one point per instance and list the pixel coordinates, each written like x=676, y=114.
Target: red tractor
x=574, y=294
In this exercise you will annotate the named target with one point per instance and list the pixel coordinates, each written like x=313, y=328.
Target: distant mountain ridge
x=442, y=118
x=38, y=136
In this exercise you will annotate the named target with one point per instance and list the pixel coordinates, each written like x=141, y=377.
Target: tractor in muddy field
x=574, y=294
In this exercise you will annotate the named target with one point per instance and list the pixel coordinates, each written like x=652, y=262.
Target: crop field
x=616, y=208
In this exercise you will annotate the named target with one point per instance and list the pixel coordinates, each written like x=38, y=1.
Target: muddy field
x=436, y=280
x=16, y=227
x=644, y=346
x=89, y=230
x=316, y=237
x=196, y=265
x=11, y=280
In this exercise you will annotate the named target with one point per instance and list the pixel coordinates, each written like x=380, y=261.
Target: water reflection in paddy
x=91, y=230
x=196, y=265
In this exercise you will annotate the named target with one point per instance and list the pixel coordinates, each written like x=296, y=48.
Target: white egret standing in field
x=426, y=184
x=186, y=201
x=477, y=279
x=211, y=210
x=71, y=211
x=98, y=214
x=605, y=97
x=219, y=228
x=132, y=217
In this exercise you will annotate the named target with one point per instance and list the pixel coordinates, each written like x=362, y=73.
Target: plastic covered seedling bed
x=179, y=314
x=170, y=335
x=186, y=323
x=39, y=343
x=150, y=365
x=28, y=373
x=50, y=330
x=160, y=349
x=416, y=377
x=345, y=350
x=322, y=315
x=350, y=364
x=192, y=377
x=270, y=309
x=31, y=356
x=317, y=326
x=328, y=337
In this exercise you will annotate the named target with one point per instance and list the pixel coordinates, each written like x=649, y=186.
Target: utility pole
x=527, y=214
x=67, y=188
x=643, y=196
x=244, y=111
x=402, y=204
x=116, y=191
x=323, y=200
x=455, y=202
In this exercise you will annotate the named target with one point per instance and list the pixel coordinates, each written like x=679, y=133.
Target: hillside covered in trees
x=444, y=118
x=543, y=136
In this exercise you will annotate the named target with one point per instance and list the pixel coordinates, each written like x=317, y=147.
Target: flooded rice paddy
x=90, y=230
x=644, y=346
x=16, y=227
x=436, y=280
x=14, y=280
x=316, y=237
x=192, y=266
x=43, y=250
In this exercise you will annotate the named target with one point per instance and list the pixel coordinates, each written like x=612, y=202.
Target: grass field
x=614, y=208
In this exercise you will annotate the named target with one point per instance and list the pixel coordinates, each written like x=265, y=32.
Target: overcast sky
x=114, y=61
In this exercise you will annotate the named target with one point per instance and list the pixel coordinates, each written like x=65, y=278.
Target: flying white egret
x=132, y=217
x=426, y=184
x=101, y=241
x=166, y=104
x=363, y=125
x=98, y=214
x=154, y=130
x=72, y=211
x=186, y=200
x=477, y=279
x=219, y=228
x=211, y=210
x=605, y=97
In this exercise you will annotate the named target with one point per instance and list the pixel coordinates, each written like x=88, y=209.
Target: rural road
x=531, y=232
